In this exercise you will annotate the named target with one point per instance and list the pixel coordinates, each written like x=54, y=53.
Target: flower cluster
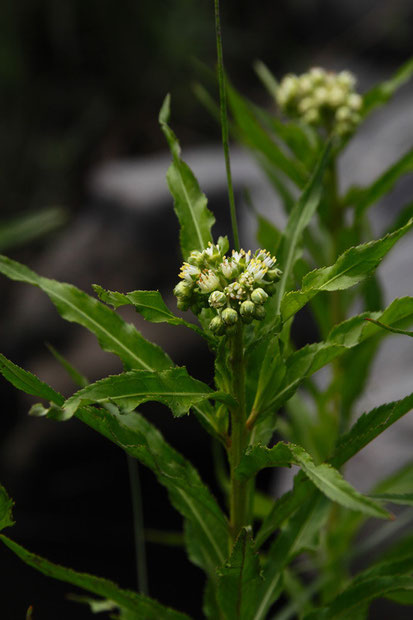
x=322, y=98
x=235, y=287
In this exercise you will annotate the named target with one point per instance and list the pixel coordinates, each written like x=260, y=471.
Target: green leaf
x=6, y=505
x=190, y=203
x=384, y=91
x=299, y=218
x=20, y=230
x=148, y=303
x=76, y=376
x=239, y=580
x=327, y=479
x=384, y=184
x=391, y=329
x=174, y=387
x=368, y=427
x=142, y=606
x=207, y=528
x=357, y=595
x=256, y=137
x=350, y=268
x=28, y=382
x=268, y=236
x=402, y=499
x=113, y=333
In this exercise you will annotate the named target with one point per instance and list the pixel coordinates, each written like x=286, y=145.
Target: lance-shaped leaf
x=23, y=229
x=190, y=203
x=391, y=329
x=113, y=333
x=325, y=477
x=137, y=604
x=299, y=218
x=207, y=534
x=174, y=387
x=369, y=426
x=253, y=134
x=6, y=505
x=77, y=377
x=148, y=303
x=239, y=580
x=345, y=336
x=381, y=93
x=28, y=382
x=384, y=183
x=350, y=268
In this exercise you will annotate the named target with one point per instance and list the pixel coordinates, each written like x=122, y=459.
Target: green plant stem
x=224, y=125
x=139, y=535
x=239, y=490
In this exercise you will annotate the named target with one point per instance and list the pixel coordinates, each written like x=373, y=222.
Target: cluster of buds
x=235, y=287
x=322, y=98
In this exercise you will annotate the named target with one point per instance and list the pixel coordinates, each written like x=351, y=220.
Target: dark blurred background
x=81, y=84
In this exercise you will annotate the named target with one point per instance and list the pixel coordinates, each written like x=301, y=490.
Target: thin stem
x=224, y=125
x=239, y=490
x=139, y=535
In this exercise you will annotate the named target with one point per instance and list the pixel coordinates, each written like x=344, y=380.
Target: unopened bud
x=259, y=313
x=217, y=299
x=259, y=296
x=274, y=274
x=229, y=316
x=182, y=289
x=247, y=308
x=196, y=258
x=216, y=325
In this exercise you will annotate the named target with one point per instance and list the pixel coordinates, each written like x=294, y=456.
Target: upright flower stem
x=224, y=125
x=239, y=505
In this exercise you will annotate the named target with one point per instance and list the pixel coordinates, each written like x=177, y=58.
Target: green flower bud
x=259, y=296
x=274, y=274
x=196, y=258
x=183, y=304
x=229, y=316
x=216, y=325
x=259, y=313
x=217, y=299
x=182, y=289
x=247, y=308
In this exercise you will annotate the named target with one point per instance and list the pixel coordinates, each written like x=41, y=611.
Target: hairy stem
x=239, y=490
x=224, y=125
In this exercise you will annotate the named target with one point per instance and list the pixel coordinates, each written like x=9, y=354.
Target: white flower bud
x=189, y=272
x=182, y=289
x=228, y=268
x=305, y=104
x=259, y=296
x=336, y=96
x=229, y=316
x=355, y=101
x=247, y=309
x=346, y=79
x=216, y=325
x=311, y=117
x=321, y=95
x=343, y=113
x=305, y=84
x=317, y=74
x=217, y=299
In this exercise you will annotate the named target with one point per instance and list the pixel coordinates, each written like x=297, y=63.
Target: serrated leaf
x=383, y=184
x=325, y=477
x=113, y=333
x=381, y=93
x=148, y=303
x=142, y=606
x=207, y=534
x=350, y=268
x=174, y=387
x=345, y=336
x=239, y=580
x=6, y=505
x=28, y=382
x=190, y=203
x=299, y=218
x=368, y=427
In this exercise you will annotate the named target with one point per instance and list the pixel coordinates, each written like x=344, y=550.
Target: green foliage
x=139, y=605
x=258, y=370
x=190, y=203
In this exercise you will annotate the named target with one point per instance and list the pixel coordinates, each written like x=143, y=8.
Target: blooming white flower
x=189, y=272
x=266, y=258
x=228, y=268
x=256, y=269
x=208, y=281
